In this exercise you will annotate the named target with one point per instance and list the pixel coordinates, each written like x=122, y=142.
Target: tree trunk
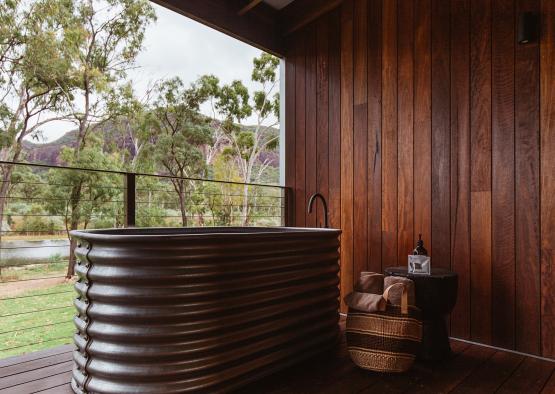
x=4, y=188
x=182, y=202
x=247, y=179
x=72, y=243
x=74, y=224
x=245, y=205
x=72, y=259
x=6, y=183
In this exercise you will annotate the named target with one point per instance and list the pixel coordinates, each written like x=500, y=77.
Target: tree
x=209, y=85
x=34, y=75
x=8, y=24
x=221, y=198
x=131, y=128
x=90, y=192
x=110, y=35
x=246, y=144
x=180, y=132
x=107, y=37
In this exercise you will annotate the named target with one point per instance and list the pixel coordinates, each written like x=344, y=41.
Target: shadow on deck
x=472, y=369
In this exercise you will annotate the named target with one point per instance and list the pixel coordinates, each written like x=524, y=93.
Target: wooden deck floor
x=472, y=369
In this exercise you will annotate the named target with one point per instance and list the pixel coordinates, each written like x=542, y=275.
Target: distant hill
x=49, y=152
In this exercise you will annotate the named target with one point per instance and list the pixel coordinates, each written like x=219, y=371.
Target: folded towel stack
x=370, y=282
x=395, y=294
x=368, y=294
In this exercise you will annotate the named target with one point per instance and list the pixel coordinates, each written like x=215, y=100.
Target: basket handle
x=404, y=297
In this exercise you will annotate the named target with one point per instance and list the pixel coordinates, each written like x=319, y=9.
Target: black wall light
x=528, y=28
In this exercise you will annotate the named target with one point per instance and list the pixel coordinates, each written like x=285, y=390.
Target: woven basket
x=385, y=341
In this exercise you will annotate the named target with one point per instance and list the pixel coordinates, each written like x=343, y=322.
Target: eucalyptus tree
x=98, y=192
x=107, y=37
x=180, y=132
x=131, y=137
x=209, y=85
x=233, y=105
x=129, y=129
x=35, y=63
x=111, y=35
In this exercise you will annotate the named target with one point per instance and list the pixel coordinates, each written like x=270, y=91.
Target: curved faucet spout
x=311, y=202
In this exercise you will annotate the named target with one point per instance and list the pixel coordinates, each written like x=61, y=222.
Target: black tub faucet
x=311, y=201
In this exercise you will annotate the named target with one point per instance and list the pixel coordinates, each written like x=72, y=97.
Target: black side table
x=436, y=295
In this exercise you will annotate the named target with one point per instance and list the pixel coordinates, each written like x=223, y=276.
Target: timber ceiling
x=261, y=23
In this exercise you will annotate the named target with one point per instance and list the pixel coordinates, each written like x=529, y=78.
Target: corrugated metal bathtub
x=200, y=309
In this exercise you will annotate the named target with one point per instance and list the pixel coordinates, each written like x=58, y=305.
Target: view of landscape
x=195, y=146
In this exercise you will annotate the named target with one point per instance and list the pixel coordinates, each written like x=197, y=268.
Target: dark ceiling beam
x=259, y=27
x=249, y=6
x=301, y=12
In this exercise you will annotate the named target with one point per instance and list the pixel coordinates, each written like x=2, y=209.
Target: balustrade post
x=288, y=210
x=129, y=199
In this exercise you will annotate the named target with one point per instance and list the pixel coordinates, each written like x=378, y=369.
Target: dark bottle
x=419, y=261
x=420, y=250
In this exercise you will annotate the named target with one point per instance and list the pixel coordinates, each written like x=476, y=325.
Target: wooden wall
x=426, y=116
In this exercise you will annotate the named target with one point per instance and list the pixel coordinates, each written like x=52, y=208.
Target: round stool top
x=437, y=273
x=436, y=294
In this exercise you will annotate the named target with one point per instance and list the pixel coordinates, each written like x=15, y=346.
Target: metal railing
x=44, y=202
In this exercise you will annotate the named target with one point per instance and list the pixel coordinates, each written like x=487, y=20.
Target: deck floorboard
x=471, y=369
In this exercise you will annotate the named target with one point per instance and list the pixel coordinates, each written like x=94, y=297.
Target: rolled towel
x=365, y=302
x=370, y=282
x=395, y=294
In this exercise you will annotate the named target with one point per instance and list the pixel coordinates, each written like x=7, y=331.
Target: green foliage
x=81, y=196
x=233, y=101
x=35, y=67
x=36, y=220
x=208, y=86
x=131, y=126
x=180, y=132
x=26, y=183
x=106, y=38
x=265, y=67
x=151, y=215
x=223, y=200
x=234, y=105
x=265, y=72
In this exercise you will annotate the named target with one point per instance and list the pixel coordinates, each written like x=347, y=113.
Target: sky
x=178, y=46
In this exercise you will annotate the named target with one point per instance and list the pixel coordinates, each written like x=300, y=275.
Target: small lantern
x=419, y=261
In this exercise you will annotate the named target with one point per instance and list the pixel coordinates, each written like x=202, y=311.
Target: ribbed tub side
x=191, y=314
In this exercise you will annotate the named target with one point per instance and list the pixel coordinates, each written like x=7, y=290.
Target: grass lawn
x=33, y=271
x=36, y=320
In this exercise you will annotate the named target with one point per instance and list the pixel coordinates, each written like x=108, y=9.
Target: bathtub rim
x=204, y=233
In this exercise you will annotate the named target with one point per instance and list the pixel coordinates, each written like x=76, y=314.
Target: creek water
x=23, y=252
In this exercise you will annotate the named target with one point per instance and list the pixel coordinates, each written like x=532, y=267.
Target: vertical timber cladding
x=547, y=144
x=426, y=117
x=480, y=170
x=347, y=150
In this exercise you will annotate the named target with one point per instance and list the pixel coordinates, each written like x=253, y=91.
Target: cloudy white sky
x=178, y=46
